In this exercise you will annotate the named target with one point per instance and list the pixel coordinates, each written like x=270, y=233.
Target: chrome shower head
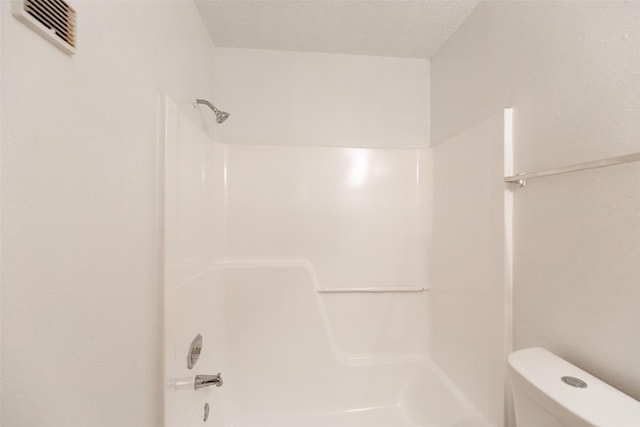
x=221, y=116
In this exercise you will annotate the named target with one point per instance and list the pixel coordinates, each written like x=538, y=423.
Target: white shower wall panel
x=357, y=216
x=194, y=239
x=194, y=196
x=469, y=303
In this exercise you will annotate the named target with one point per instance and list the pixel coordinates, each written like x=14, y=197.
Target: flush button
x=574, y=382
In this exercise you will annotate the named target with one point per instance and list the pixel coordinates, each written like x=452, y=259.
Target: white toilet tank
x=542, y=398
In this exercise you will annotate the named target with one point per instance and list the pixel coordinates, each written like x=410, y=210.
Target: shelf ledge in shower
x=371, y=290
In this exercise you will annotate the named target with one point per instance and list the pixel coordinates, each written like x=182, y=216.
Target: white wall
x=289, y=98
x=1, y=174
x=571, y=72
x=469, y=249
x=80, y=299
x=194, y=238
x=356, y=215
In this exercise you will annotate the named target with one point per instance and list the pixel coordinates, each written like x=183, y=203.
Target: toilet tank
x=543, y=399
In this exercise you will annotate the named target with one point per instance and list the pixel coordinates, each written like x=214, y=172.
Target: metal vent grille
x=54, y=19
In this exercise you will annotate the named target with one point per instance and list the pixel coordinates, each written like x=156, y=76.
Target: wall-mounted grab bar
x=522, y=178
x=371, y=290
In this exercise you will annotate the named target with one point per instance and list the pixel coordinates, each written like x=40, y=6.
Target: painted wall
x=81, y=339
x=571, y=72
x=288, y=98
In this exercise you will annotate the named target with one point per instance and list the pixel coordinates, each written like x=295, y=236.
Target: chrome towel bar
x=522, y=177
x=371, y=290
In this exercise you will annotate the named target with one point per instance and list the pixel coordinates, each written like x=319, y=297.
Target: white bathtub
x=266, y=330
x=364, y=217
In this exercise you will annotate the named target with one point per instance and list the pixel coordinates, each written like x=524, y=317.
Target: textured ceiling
x=402, y=28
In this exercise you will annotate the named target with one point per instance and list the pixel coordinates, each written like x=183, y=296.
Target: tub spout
x=203, y=381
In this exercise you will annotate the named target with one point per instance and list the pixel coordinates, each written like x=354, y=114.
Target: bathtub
x=269, y=332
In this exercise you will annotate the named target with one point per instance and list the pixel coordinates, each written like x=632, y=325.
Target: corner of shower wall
x=469, y=263
x=194, y=238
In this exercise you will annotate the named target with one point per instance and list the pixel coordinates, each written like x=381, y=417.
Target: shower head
x=221, y=116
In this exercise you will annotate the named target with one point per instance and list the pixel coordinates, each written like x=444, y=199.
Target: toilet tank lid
x=599, y=404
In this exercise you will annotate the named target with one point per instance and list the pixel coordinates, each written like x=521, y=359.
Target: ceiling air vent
x=55, y=20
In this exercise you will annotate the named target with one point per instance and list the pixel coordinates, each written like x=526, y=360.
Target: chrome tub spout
x=203, y=381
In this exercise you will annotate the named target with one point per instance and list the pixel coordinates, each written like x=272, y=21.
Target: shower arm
x=221, y=116
x=207, y=103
